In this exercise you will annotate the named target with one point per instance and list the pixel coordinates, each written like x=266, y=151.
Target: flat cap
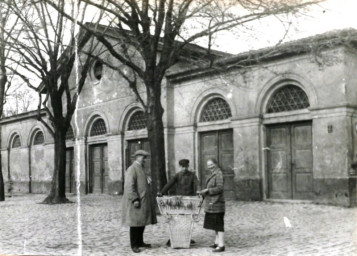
x=141, y=152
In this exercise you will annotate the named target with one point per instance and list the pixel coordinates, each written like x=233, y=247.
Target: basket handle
x=195, y=217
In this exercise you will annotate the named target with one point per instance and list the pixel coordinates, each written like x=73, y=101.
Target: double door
x=218, y=145
x=70, y=178
x=98, y=169
x=290, y=161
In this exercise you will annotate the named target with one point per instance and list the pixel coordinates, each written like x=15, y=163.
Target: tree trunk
x=58, y=188
x=2, y=186
x=3, y=81
x=157, y=141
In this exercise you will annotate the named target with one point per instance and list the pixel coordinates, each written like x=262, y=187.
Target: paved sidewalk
x=256, y=228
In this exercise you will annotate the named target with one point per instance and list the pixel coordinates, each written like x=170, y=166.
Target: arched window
x=288, y=98
x=98, y=128
x=70, y=134
x=215, y=109
x=16, y=142
x=137, y=121
x=39, y=138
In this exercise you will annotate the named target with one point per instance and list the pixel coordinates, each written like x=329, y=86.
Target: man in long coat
x=138, y=209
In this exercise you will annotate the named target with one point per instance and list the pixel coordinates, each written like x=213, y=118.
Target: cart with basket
x=181, y=211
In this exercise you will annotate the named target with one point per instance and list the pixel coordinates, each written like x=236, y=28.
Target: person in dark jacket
x=186, y=181
x=214, y=204
x=138, y=209
x=186, y=184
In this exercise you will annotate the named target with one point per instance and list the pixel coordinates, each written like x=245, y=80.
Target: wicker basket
x=180, y=227
x=180, y=211
x=179, y=204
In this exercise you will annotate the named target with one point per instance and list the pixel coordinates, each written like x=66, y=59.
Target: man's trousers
x=136, y=236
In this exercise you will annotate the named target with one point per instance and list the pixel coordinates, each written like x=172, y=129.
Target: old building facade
x=281, y=128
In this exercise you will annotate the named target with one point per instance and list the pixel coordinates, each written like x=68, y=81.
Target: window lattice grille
x=16, y=143
x=288, y=98
x=39, y=138
x=98, y=128
x=70, y=134
x=216, y=109
x=137, y=121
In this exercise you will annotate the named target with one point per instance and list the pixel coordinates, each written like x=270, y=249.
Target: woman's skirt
x=214, y=221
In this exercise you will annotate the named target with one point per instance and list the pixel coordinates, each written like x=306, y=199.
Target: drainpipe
x=8, y=171
x=86, y=165
x=30, y=171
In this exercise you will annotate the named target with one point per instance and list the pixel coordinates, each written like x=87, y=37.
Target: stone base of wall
x=18, y=187
x=248, y=189
x=41, y=187
x=115, y=187
x=341, y=192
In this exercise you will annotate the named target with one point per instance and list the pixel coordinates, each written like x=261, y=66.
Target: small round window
x=98, y=70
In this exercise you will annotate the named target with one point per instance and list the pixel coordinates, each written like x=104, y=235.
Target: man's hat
x=184, y=162
x=141, y=152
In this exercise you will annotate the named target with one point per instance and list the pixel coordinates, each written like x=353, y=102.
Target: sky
x=327, y=16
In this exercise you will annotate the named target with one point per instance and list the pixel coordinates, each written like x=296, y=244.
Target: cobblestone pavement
x=256, y=228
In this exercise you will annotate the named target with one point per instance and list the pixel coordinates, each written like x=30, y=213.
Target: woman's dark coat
x=214, y=199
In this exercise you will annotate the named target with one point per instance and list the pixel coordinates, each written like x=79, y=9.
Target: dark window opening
x=137, y=121
x=16, y=143
x=215, y=109
x=39, y=138
x=288, y=98
x=98, y=128
x=70, y=134
x=98, y=70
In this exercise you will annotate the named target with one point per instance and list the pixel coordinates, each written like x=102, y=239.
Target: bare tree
x=8, y=25
x=49, y=49
x=159, y=31
x=19, y=100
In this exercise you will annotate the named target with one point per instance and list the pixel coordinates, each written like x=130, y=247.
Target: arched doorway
x=97, y=180
x=136, y=137
x=14, y=158
x=216, y=143
x=70, y=179
x=37, y=161
x=289, y=144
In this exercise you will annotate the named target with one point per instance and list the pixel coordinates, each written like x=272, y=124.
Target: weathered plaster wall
x=248, y=91
x=247, y=173
x=244, y=88
x=350, y=62
x=42, y=166
x=41, y=157
x=115, y=174
x=19, y=169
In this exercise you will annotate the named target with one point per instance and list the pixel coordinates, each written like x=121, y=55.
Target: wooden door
x=98, y=169
x=218, y=145
x=290, y=161
x=70, y=179
x=302, y=161
x=134, y=145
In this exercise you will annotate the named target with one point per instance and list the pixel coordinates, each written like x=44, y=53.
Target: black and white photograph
x=178, y=127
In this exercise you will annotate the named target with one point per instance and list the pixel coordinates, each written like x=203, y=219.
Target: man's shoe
x=168, y=243
x=219, y=249
x=145, y=245
x=213, y=246
x=136, y=249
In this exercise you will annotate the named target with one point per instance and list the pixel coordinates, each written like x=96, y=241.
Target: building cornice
x=317, y=43
x=22, y=116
